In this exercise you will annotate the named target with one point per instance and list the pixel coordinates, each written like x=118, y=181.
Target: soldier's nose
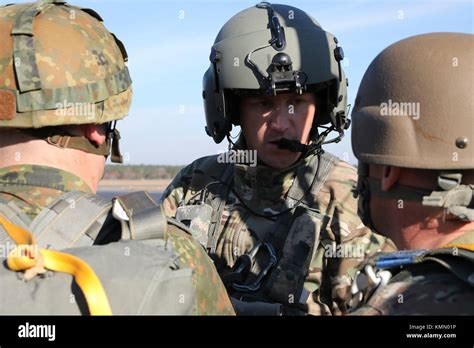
x=279, y=120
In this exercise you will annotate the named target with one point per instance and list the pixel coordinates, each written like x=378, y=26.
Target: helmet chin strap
x=456, y=199
x=58, y=137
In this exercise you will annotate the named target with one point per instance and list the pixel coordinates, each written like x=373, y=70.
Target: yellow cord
x=29, y=258
x=461, y=246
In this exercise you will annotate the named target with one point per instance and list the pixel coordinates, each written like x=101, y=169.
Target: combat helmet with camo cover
x=43, y=89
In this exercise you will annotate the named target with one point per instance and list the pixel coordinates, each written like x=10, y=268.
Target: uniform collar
x=263, y=186
x=42, y=176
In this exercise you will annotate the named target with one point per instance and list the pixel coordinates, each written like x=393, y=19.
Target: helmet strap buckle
x=61, y=141
x=113, y=141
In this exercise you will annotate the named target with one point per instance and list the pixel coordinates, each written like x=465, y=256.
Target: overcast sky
x=168, y=43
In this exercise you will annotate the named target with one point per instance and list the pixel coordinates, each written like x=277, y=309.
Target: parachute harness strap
x=29, y=258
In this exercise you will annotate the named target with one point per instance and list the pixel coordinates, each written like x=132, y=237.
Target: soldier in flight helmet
x=280, y=229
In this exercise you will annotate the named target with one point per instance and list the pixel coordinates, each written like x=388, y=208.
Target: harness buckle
x=367, y=282
x=243, y=265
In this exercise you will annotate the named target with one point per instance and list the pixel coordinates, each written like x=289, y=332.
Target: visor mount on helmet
x=282, y=76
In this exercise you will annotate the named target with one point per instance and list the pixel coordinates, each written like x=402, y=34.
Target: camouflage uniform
x=264, y=189
x=428, y=288
x=33, y=187
x=77, y=76
x=284, y=241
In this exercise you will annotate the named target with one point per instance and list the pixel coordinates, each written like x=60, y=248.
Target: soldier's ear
x=97, y=133
x=390, y=176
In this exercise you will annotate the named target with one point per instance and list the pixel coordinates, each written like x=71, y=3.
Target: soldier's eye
x=265, y=104
x=298, y=101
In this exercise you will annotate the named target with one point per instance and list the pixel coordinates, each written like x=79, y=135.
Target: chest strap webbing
x=300, y=234
x=13, y=214
x=81, y=219
x=140, y=216
x=73, y=219
x=295, y=241
x=218, y=204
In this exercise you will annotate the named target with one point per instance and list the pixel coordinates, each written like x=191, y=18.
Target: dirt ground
x=134, y=185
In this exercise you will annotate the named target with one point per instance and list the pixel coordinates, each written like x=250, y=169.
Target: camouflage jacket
x=443, y=284
x=337, y=239
x=33, y=187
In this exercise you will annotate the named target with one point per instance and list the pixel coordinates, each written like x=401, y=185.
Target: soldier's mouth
x=289, y=144
x=275, y=145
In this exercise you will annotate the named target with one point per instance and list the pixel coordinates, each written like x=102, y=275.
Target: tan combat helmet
x=415, y=109
x=415, y=105
x=60, y=66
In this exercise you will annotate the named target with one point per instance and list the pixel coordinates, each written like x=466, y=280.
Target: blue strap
x=399, y=258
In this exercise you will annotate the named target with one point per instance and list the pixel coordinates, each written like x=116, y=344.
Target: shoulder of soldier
x=338, y=200
x=32, y=187
x=42, y=177
x=203, y=170
x=342, y=178
x=212, y=298
x=447, y=296
x=192, y=178
x=439, y=282
x=434, y=292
